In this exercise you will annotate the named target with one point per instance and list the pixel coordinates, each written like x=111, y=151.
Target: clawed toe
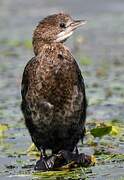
x=77, y=159
x=83, y=160
x=45, y=164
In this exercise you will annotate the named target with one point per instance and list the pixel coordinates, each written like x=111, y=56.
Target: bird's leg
x=43, y=154
x=82, y=135
x=42, y=163
x=69, y=156
x=45, y=163
x=76, y=150
x=66, y=155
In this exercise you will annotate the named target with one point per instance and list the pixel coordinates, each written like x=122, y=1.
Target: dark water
x=98, y=47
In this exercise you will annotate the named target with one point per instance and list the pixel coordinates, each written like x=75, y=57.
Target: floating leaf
x=115, y=130
x=117, y=127
x=3, y=128
x=101, y=131
x=32, y=150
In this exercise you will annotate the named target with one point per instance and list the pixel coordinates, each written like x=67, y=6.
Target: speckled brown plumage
x=53, y=92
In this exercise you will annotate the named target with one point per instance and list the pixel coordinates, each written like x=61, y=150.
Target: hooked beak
x=68, y=31
x=77, y=24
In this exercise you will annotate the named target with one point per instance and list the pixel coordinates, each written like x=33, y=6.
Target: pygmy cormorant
x=53, y=90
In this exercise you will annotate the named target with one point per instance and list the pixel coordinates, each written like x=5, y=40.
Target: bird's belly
x=57, y=126
x=57, y=136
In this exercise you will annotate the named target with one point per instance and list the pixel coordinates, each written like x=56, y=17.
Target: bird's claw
x=45, y=164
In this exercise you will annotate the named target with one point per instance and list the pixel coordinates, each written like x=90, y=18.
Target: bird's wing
x=34, y=107
x=25, y=78
x=81, y=87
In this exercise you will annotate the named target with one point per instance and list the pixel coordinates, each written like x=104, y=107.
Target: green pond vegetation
x=102, y=137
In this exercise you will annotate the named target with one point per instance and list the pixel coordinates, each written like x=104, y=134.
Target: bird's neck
x=40, y=46
x=37, y=46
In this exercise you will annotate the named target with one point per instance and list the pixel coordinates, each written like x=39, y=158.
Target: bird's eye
x=62, y=25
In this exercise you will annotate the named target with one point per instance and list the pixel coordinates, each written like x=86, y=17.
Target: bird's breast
x=55, y=80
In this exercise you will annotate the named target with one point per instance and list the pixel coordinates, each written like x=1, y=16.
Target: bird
x=53, y=91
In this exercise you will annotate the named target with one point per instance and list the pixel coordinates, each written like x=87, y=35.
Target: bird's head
x=56, y=28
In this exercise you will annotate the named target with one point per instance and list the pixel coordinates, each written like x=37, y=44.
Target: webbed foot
x=76, y=159
x=49, y=163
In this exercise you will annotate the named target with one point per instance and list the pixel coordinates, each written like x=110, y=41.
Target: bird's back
x=53, y=98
